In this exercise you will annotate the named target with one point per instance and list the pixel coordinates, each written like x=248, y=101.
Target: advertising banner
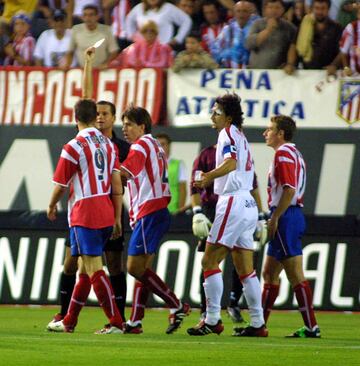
x=311, y=98
x=41, y=96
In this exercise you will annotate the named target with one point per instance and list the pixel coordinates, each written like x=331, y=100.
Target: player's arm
x=117, y=201
x=57, y=193
x=224, y=168
x=284, y=203
x=87, y=82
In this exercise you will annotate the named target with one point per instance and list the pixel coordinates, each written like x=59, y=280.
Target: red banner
x=41, y=96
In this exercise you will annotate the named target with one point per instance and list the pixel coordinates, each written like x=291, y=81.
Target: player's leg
x=213, y=286
x=243, y=262
x=295, y=274
x=271, y=273
x=236, y=291
x=114, y=262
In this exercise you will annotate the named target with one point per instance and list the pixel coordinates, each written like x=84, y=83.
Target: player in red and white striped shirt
x=287, y=179
x=145, y=169
x=89, y=163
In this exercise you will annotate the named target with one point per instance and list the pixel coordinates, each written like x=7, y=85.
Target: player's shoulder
x=287, y=150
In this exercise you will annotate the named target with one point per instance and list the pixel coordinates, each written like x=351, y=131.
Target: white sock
x=213, y=287
x=252, y=293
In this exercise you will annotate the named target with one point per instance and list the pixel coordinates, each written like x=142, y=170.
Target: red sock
x=106, y=298
x=158, y=287
x=268, y=297
x=141, y=294
x=79, y=296
x=303, y=295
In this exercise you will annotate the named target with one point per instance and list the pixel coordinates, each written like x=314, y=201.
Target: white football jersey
x=232, y=144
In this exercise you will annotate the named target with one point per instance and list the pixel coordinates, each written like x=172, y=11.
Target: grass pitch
x=24, y=341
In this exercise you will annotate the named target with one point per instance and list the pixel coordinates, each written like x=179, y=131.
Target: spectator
x=4, y=41
x=272, y=40
x=350, y=47
x=188, y=7
x=318, y=40
x=53, y=44
x=76, y=9
x=165, y=15
x=193, y=56
x=20, y=50
x=229, y=49
x=297, y=13
x=146, y=51
x=347, y=12
x=212, y=26
x=85, y=35
x=177, y=177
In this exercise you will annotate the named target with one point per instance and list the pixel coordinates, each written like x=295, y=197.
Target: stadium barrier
x=32, y=250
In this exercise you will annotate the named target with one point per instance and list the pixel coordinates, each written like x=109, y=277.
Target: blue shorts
x=85, y=241
x=148, y=232
x=287, y=241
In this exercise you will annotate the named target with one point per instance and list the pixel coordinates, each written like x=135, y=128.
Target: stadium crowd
x=269, y=34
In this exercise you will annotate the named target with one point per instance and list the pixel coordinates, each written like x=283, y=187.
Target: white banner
x=312, y=99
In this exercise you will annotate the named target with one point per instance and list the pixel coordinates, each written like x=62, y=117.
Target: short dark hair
x=328, y=2
x=195, y=35
x=164, y=136
x=138, y=115
x=286, y=124
x=91, y=7
x=231, y=104
x=276, y=1
x=111, y=105
x=210, y=3
x=85, y=111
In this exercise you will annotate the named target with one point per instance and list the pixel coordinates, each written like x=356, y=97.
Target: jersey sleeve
x=67, y=166
x=227, y=145
x=285, y=167
x=135, y=160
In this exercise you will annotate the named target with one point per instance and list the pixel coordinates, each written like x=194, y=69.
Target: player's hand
x=89, y=54
x=201, y=225
x=272, y=226
x=205, y=181
x=51, y=213
x=261, y=231
x=117, y=231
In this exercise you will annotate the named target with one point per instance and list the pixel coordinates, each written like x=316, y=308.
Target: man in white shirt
x=53, y=44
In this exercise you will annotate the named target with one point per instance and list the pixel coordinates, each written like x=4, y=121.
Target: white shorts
x=235, y=222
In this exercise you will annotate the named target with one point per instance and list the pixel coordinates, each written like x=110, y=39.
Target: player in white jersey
x=235, y=220
x=145, y=169
x=89, y=163
x=287, y=179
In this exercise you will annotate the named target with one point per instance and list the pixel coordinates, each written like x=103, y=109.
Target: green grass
x=24, y=341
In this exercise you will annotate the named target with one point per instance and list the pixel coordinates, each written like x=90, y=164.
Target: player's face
x=219, y=118
x=104, y=119
x=272, y=136
x=132, y=131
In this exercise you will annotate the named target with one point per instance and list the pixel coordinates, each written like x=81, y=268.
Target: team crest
x=348, y=107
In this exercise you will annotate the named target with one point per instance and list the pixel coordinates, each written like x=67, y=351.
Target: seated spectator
x=297, y=13
x=75, y=9
x=350, y=47
x=177, y=177
x=165, y=15
x=4, y=41
x=11, y=8
x=229, y=48
x=193, y=56
x=86, y=34
x=146, y=51
x=272, y=40
x=53, y=44
x=347, y=12
x=21, y=48
x=212, y=26
x=318, y=39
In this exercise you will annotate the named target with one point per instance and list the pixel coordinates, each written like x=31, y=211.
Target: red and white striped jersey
x=86, y=164
x=232, y=144
x=119, y=14
x=209, y=35
x=24, y=47
x=350, y=44
x=287, y=169
x=148, y=187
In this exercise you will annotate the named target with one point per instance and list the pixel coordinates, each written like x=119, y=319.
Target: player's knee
x=70, y=265
x=268, y=276
x=114, y=268
x=135, y=271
